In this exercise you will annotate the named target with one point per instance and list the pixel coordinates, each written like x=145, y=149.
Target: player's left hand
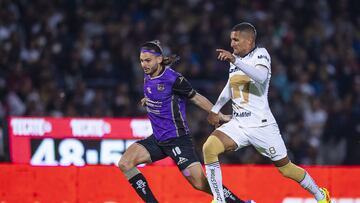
x=225, y=56
x=224, y=118
x=213, y=118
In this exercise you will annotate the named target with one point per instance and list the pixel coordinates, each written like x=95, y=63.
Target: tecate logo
x=30, y=126
x=312, y=200
x=141, y=127
x=89, y=127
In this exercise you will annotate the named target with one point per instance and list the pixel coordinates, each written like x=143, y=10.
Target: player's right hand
x=213, y=118
x=224, y=55
x=143, y=101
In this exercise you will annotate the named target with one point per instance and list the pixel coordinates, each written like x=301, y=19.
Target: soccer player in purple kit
x=165, y=95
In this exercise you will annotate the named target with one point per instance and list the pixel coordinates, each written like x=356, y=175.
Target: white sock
x=309, y=184
x=213, y=174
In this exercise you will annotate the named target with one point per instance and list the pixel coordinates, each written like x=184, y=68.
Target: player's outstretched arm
x=206, y=105
x=217, y=119
x=183, y=88
x=224, y=118
x=213, y=118
x=202, y=102
x=259, y=73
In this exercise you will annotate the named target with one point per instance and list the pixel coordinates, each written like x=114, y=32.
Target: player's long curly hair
x=155, y=47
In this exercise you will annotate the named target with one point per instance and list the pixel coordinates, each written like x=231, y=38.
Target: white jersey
x=250, y=98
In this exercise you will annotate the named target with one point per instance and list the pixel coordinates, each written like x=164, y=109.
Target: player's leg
x=268, y=141
x=195, y=175
x=181, y=150
x=216, y=144
x=227, y=137
x=298, y=174
x=140, y=152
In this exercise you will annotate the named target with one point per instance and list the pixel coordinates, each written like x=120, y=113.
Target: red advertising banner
x=47, y=141
x=105, y=184
x=89, y=128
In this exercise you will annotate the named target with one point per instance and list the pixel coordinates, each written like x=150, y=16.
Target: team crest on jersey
x=160, y=87
x=149, y=90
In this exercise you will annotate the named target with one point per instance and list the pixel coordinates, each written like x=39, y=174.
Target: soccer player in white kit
x=252, y=122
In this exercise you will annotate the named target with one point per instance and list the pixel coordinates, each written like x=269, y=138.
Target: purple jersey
x=166, y=96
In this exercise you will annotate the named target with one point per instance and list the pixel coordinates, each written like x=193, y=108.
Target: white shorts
x=266, y=139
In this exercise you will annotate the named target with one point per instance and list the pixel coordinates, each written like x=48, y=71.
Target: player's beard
x=153, y=70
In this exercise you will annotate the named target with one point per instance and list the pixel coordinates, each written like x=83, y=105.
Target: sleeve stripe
x=192, y=94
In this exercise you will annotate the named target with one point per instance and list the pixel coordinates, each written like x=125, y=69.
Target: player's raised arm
x=259, y=72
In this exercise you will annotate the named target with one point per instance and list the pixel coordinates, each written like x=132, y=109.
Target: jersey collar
x=160, y=74
x=252, y=50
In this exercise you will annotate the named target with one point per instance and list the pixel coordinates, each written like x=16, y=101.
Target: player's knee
x=199, y=185
x=284, y=172
x=292, y=171
x=125, y=165
x=212, y=148
x=207, y=149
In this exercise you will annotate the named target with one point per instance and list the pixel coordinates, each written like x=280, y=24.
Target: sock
x=139, y=183
x=213, y=174
x=230, y=197
x=309, y=184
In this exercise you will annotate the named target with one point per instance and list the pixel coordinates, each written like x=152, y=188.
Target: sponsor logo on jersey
x=265, y=57
x=242, y=114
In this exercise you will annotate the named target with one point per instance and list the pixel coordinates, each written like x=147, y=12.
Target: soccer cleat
x=327, y=196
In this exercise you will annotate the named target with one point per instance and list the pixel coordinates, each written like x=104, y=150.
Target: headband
x=151, y=52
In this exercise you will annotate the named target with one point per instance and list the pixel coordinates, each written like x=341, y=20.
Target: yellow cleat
x=327, y=196
x=214, y=201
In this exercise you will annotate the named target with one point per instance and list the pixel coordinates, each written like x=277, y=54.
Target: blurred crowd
x=80, y=58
